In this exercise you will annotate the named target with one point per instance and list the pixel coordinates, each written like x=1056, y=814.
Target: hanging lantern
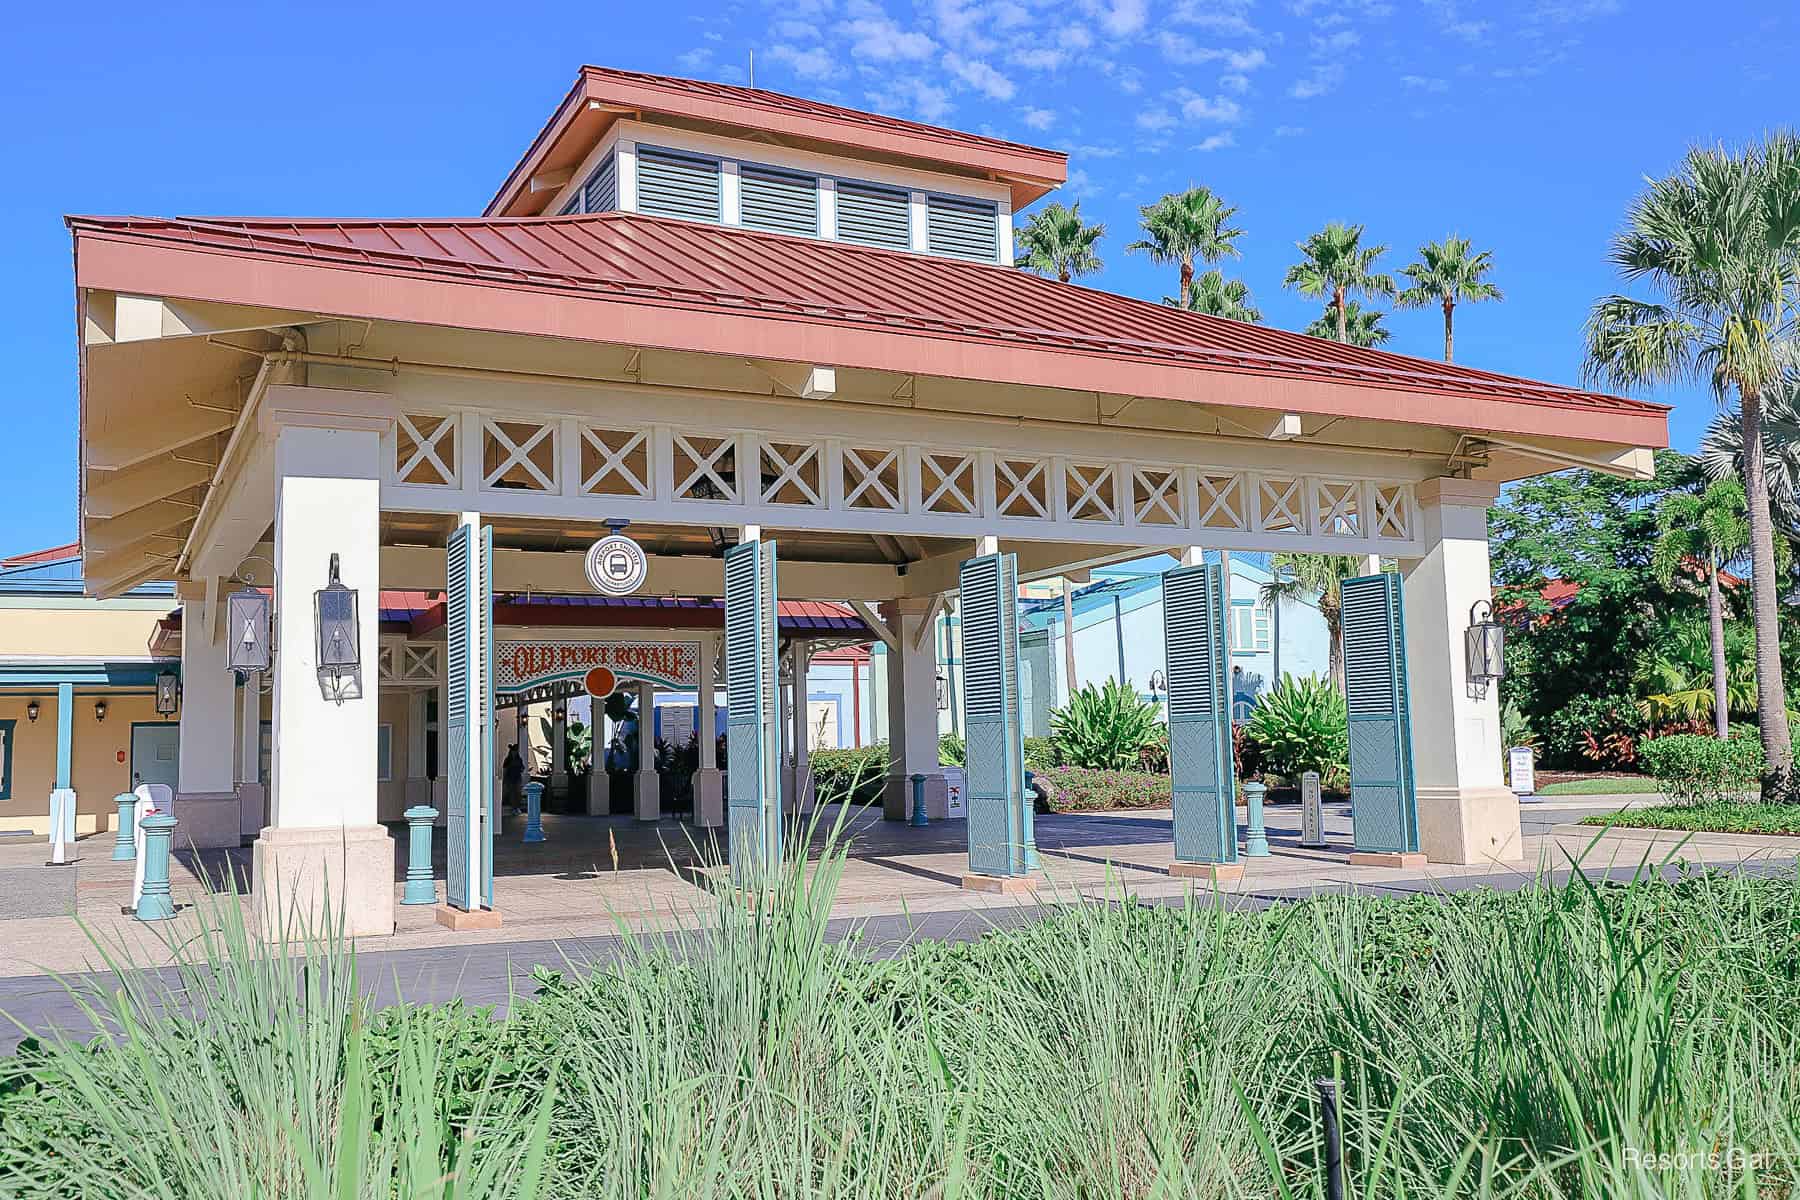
x=1486, y=639
x=340, y=653
x=168, y=693
x=247, y=631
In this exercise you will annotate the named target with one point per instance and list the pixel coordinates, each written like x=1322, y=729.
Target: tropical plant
x=1079, y=789
x=1104, y=728
x=1302, y=724
x=1719, y=243
x=1722, y=451
x=578, y=742
x=1334, y=264
x=1355, y=326
x=1702, y=532
x=1217, y=296
x=1703, y=770
x=1688, y=677
x=1056, y=241
x=953, y=751
x=849, y=774
x=1316, y=579
x=1515, y=730
x=1448, y=274
x=1185, y=226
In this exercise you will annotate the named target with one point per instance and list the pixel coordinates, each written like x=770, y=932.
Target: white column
x=253, y=807
x=440, y=798
x=649, y=780
x=207, y=804
x=709, y=785
x=559, y=743
x=418, y=788
x=323, y=845
x=1466, y=813
x=803, y=791
x=912, y=712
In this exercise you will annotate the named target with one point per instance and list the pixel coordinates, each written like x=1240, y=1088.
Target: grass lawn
x=1615, y=1041
x=1724, y=816
x=1620, y=785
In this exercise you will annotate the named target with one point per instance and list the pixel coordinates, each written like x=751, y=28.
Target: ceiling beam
x=104, y=537
x=115, y=493
x=166, y=429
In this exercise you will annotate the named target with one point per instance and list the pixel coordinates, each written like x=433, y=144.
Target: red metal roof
x=713, y=271
x=54, y=554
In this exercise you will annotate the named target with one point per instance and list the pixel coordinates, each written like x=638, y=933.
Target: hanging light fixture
x=340, y=653
x=1486, y=642
x=247, y=631
x=31, y=712
x=99, y=711
x=168, y=693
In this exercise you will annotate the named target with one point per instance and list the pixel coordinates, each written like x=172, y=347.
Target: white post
x=709, y=785
x=912, y=712
x=649, y=780
x=207, y=800
x=803, y=792
x=559, y=743
x=1466, y=813
x=324, y=854
x=418, y=788
x=1371, y=564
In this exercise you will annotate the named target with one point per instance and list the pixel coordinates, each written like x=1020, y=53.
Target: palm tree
x=1688, y=676
x=1217, y=296
x=1722, y=451
x=1704, y=530
x=1056, y=242
x=1316, y=579
x=1183, y=226
x=1335, y=263
x=1447, y=274
x=1719, y=240
x=1355, y=326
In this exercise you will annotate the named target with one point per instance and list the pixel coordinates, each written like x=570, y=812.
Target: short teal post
x=420, y=888
x=534, y=812
x=155, y=904
x=919, y=817
x=124, y=842
x=1256, y=838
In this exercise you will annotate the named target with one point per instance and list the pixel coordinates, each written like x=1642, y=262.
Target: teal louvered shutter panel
x=778, y=201
x=601, y=192
x=960, y=228
x=459, y=593
x=678, y=185
x=484, y=598
x=1000, y=833
x=572, y=207
x=1203, y=783
x=752, y=729
x=1384, y=807
x=873, y=216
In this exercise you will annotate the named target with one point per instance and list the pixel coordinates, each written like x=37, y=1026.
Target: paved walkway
x=598, y=877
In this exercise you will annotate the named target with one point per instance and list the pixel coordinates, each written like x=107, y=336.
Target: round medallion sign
x=616, y=565
x=600, y=681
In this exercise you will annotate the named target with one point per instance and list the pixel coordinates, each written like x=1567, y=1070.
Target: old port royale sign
x=598, y=667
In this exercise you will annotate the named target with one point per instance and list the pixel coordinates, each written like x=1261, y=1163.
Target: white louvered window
x=678, y=185
x=778, y=201
x=959, y=228
x=873, y=216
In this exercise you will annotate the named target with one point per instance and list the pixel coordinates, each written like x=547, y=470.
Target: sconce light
x=247, y=629
x=943, y=690
x=1486, y=641
x=31, y=712
x=99, y=710
x=168, y=693
x=1158, y=683
x=340, y=654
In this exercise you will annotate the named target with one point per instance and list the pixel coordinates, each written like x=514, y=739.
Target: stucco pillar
x=649, y=779
x=323, y=853
x=418, y=787
x=912, y=712
x=1466, y=813
x=207, y=805
x=253, y=796
x=709, y=784
x=559, y=744
x=803, y=789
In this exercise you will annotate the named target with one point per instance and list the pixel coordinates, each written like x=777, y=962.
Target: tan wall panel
x=78, y=632
x=95, y=771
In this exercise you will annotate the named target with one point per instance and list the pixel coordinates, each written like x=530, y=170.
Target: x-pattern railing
x=616, y=463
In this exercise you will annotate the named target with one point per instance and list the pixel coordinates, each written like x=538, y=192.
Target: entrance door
x=155, y=751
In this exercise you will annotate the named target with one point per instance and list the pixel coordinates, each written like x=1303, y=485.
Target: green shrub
x=1694, y=769
x=952, y=750
x=1593, y=731
x=1104, y=728
x=1041, y=754
x=1078, y=789
x=1302, y=724
x=854, y=775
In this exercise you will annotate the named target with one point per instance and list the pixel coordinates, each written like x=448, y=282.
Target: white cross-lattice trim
x=519, y=453
x=1391, y=512
x=1222, y=494
x=946, y=482
x=788, y=471
x=425, y=449
x=1281, y=504
x=869, y=478
x=1158, y=495
x=1029, y=486
x=613, y=463
x=1340, y=506
x=1091, y=502
x=704, y=465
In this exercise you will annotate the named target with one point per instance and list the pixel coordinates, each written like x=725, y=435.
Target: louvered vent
x=873, y=216
x=778, y=201
x=601, y=192
x=678, y=185
x=959, y=228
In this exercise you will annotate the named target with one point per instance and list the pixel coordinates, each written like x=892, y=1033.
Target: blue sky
x=1527, y=126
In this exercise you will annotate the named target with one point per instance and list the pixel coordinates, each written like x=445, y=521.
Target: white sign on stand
x=956, y=783
x=1312, y=812
x=1521, y=762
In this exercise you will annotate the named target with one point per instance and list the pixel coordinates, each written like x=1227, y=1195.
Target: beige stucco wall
x=96, y=770
x=81, y=629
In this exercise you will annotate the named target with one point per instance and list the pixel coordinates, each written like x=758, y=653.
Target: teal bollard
x=420, y=888
x=124, y=843
x=159, y=835
x=919, y=818
x=1256, y=838
x=534, y=812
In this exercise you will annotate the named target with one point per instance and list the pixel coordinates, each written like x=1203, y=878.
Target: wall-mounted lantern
x=247, y=631
x=99, y=711
x=943, y=690
x=1486, y=640
x=31, y=712
x=1159, y=683
x=340, y=652
x=168, y=693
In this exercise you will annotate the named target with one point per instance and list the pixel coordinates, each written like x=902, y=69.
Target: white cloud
x=1235, y=83
x=1041, y=58
x=1155, y=120
x=1010, y=15
x=1122, y=18
x=1218, y=141
x=1080, y=184
x=815, y=62
x=1324, y=79
x=877, y=37
x=925, y=100
x=980, y=76
x=1220, y=16
x=1077, y=37
x=1199, y=108
x=1425, y=83
x=1287, y=131
x=695, y=59
x=1181, y=49
x=1335, y=45
x=1039, y=118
